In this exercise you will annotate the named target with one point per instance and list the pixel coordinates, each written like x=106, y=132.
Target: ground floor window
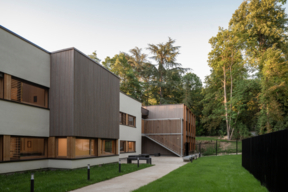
x=127, y=146
x=62, y=147
x=84, y=147
x=108, y=147
x=27, y=148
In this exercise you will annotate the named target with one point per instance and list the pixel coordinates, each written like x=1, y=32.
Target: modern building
x=168, y=130
x=130, y=126
x=57, y=110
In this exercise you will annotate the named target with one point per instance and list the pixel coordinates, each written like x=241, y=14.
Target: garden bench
x=141, y=157
x=190, y=157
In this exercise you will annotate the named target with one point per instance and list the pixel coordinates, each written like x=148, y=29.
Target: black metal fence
x=266, y=157
x=218, y=147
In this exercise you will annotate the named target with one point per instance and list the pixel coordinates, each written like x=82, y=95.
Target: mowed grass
x=206, y=174
x=64, y=180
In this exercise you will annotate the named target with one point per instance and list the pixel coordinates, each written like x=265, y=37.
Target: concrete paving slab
x=132, y=181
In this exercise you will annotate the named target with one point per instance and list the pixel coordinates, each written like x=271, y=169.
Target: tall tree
x=165, y=55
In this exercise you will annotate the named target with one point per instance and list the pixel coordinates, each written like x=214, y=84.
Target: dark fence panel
x=266, y=157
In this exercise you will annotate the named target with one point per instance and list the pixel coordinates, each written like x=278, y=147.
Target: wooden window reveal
x=122, y=146
x=122, y=118
x=27, y=93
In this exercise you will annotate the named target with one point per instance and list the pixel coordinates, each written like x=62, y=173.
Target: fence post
x=236, y=146
x=216, y=147
x=200, y=149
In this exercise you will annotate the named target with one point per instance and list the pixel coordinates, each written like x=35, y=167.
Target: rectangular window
x=1, y=85
x=131, y=146
x=84, y=147
x=62, y=147
x=131, y=121
x=108, y=147
x=122, y=146
x=24, y=92
x=122, y=118
x=26, y=148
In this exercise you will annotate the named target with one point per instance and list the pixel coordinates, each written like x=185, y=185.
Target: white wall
x=23, y=60
x=9, y=167
x=18, y=119
x=131, y=107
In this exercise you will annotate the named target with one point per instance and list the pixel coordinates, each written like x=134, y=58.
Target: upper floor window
x=122, y=118
x=24, y=92
x=131, y=121
x=1, y=85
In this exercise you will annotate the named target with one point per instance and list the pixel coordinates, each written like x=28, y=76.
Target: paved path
x=132, y=181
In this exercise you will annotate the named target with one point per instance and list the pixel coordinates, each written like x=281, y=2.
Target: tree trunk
x=225, y=104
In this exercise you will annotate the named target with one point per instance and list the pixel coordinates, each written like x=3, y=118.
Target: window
x=108, y=147
x=1, y=85
x=84, y=147
x=122, y=146
x=131, y=121
x=27, y=93
x=131, y=146
x=26, y=148
x=122, y=118
x=62, y=147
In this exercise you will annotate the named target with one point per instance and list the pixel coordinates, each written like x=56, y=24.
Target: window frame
x=126, y=146
x=91, y=153
x=134, y=121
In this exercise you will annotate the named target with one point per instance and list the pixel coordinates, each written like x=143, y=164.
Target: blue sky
x=111, y=26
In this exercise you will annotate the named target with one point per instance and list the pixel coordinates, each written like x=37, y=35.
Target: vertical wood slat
x=46, y=99
x=117, y=147
x=7, y=86
x=127, y=119
x=1, y=88
x=51, y=147
x=1, y=148
x=70, y=147
x=6, y=147
x=99, y=146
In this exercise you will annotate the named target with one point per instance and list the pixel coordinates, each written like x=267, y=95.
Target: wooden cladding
x=7, y=86
x=84, y=97
x=162, y=126
x=6, y=147
x=52, y=147
x=189, y=129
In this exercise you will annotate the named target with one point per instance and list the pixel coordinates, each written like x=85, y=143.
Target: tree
x=168, y=70
x=94, y=57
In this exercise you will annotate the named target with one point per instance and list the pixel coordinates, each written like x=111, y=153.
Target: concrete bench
x=191, y=157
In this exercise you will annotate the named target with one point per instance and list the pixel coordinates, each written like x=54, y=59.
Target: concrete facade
x=23, y=60
x=132, y=107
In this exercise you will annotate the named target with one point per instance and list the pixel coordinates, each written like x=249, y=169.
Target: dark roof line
x=20, y=37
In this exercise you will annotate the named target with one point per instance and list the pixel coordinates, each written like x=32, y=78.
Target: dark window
x=1, y=85
x=131, y=121
x=122, y=146
x=26, y=148
x=122, y=118
x=24, y=92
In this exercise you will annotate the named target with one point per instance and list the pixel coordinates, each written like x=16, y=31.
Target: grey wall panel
x=165, y=111
x=62, y=93
x=96, y=101
x=23, y=60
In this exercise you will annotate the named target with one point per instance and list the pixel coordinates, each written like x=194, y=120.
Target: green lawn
x=64, y=180
x=208, y=139
x=206, y=174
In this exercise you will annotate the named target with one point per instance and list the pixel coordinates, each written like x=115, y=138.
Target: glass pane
x=92, y=147
x=131, y=146
x=82, y=147
x=26, y=148
x=1, y=85
x=120, y=118
x=122, y=146
x=62, y=147
x=33, y=95
x=108, y=146
x=131, y=120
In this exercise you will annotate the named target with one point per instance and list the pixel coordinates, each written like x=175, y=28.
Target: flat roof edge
x=22, y=38
x=130, y=97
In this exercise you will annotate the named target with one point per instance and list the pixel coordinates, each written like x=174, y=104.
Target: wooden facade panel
x=6, y=147
x=150, y=147
x=162, y=126
x=96, y=101
x=62, y=93
x=7, y=86
x=165, y=111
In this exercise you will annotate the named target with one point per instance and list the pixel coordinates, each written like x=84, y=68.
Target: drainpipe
x=181, y=137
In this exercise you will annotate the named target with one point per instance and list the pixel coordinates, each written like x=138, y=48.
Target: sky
x=113, y=26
